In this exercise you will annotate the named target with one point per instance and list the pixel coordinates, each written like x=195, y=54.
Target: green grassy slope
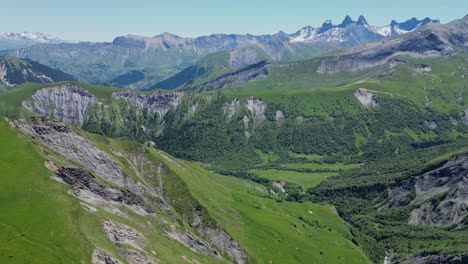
x=42, y=223
x=206, y=66
x=270, y=231
x=39, y=222
x=443, y=85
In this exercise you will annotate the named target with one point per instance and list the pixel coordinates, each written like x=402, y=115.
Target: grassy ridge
x=39, y=221
x=42, y=223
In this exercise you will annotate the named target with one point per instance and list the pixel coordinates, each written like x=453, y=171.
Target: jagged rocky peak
x=327, y=25
x=351, y=33
x=69, y=103
x=158, y=102
x=413, y=23
x=346, y=21
x=362, y=21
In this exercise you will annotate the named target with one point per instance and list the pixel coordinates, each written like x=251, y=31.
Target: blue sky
x=102, y=20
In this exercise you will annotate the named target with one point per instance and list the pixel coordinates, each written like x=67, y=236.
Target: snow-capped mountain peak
x=39, y=37
x=362, y=21
x=360, y=32
x=25, y=39
x=346, y=21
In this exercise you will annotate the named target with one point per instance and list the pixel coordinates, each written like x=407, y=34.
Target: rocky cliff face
x=233, y=78
x=230, y=109
x=257, y=109
x=440, y=196
x=75, y=105
x=159, y=103
x=216, y=235
x=366, y=97
x=465, y=117
x=74, y=146
x=68, y=103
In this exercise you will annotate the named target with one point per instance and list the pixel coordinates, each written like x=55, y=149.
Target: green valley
x=342, y=143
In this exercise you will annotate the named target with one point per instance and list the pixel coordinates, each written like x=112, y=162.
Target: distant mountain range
x=142, y=62
x=25, y=39
x=350, y=32
x=370, y=59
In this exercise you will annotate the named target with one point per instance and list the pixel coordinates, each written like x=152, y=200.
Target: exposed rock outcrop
x=68, y=103
x=423, y=68
x=366, y=97
x=436, y=259
x=279, y=117
x=83, y=180
x=257, y=108
x=430, y=124
x=233, y=78
x=123, y=234
x=158, y=102
x=101, y=256
x=222, y=240
x=192, y=242
x=465, y=117
x=440, y=196
x=73, y=146
x=217, y=236
x=135, y=257
x=230, y=109
x=279, y=185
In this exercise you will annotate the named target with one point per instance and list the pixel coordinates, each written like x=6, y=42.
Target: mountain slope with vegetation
x=164, y=211
x=375, y=135
x=14, y=71
x=266, y=137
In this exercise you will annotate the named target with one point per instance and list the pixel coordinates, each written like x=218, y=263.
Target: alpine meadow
x=342, y=143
